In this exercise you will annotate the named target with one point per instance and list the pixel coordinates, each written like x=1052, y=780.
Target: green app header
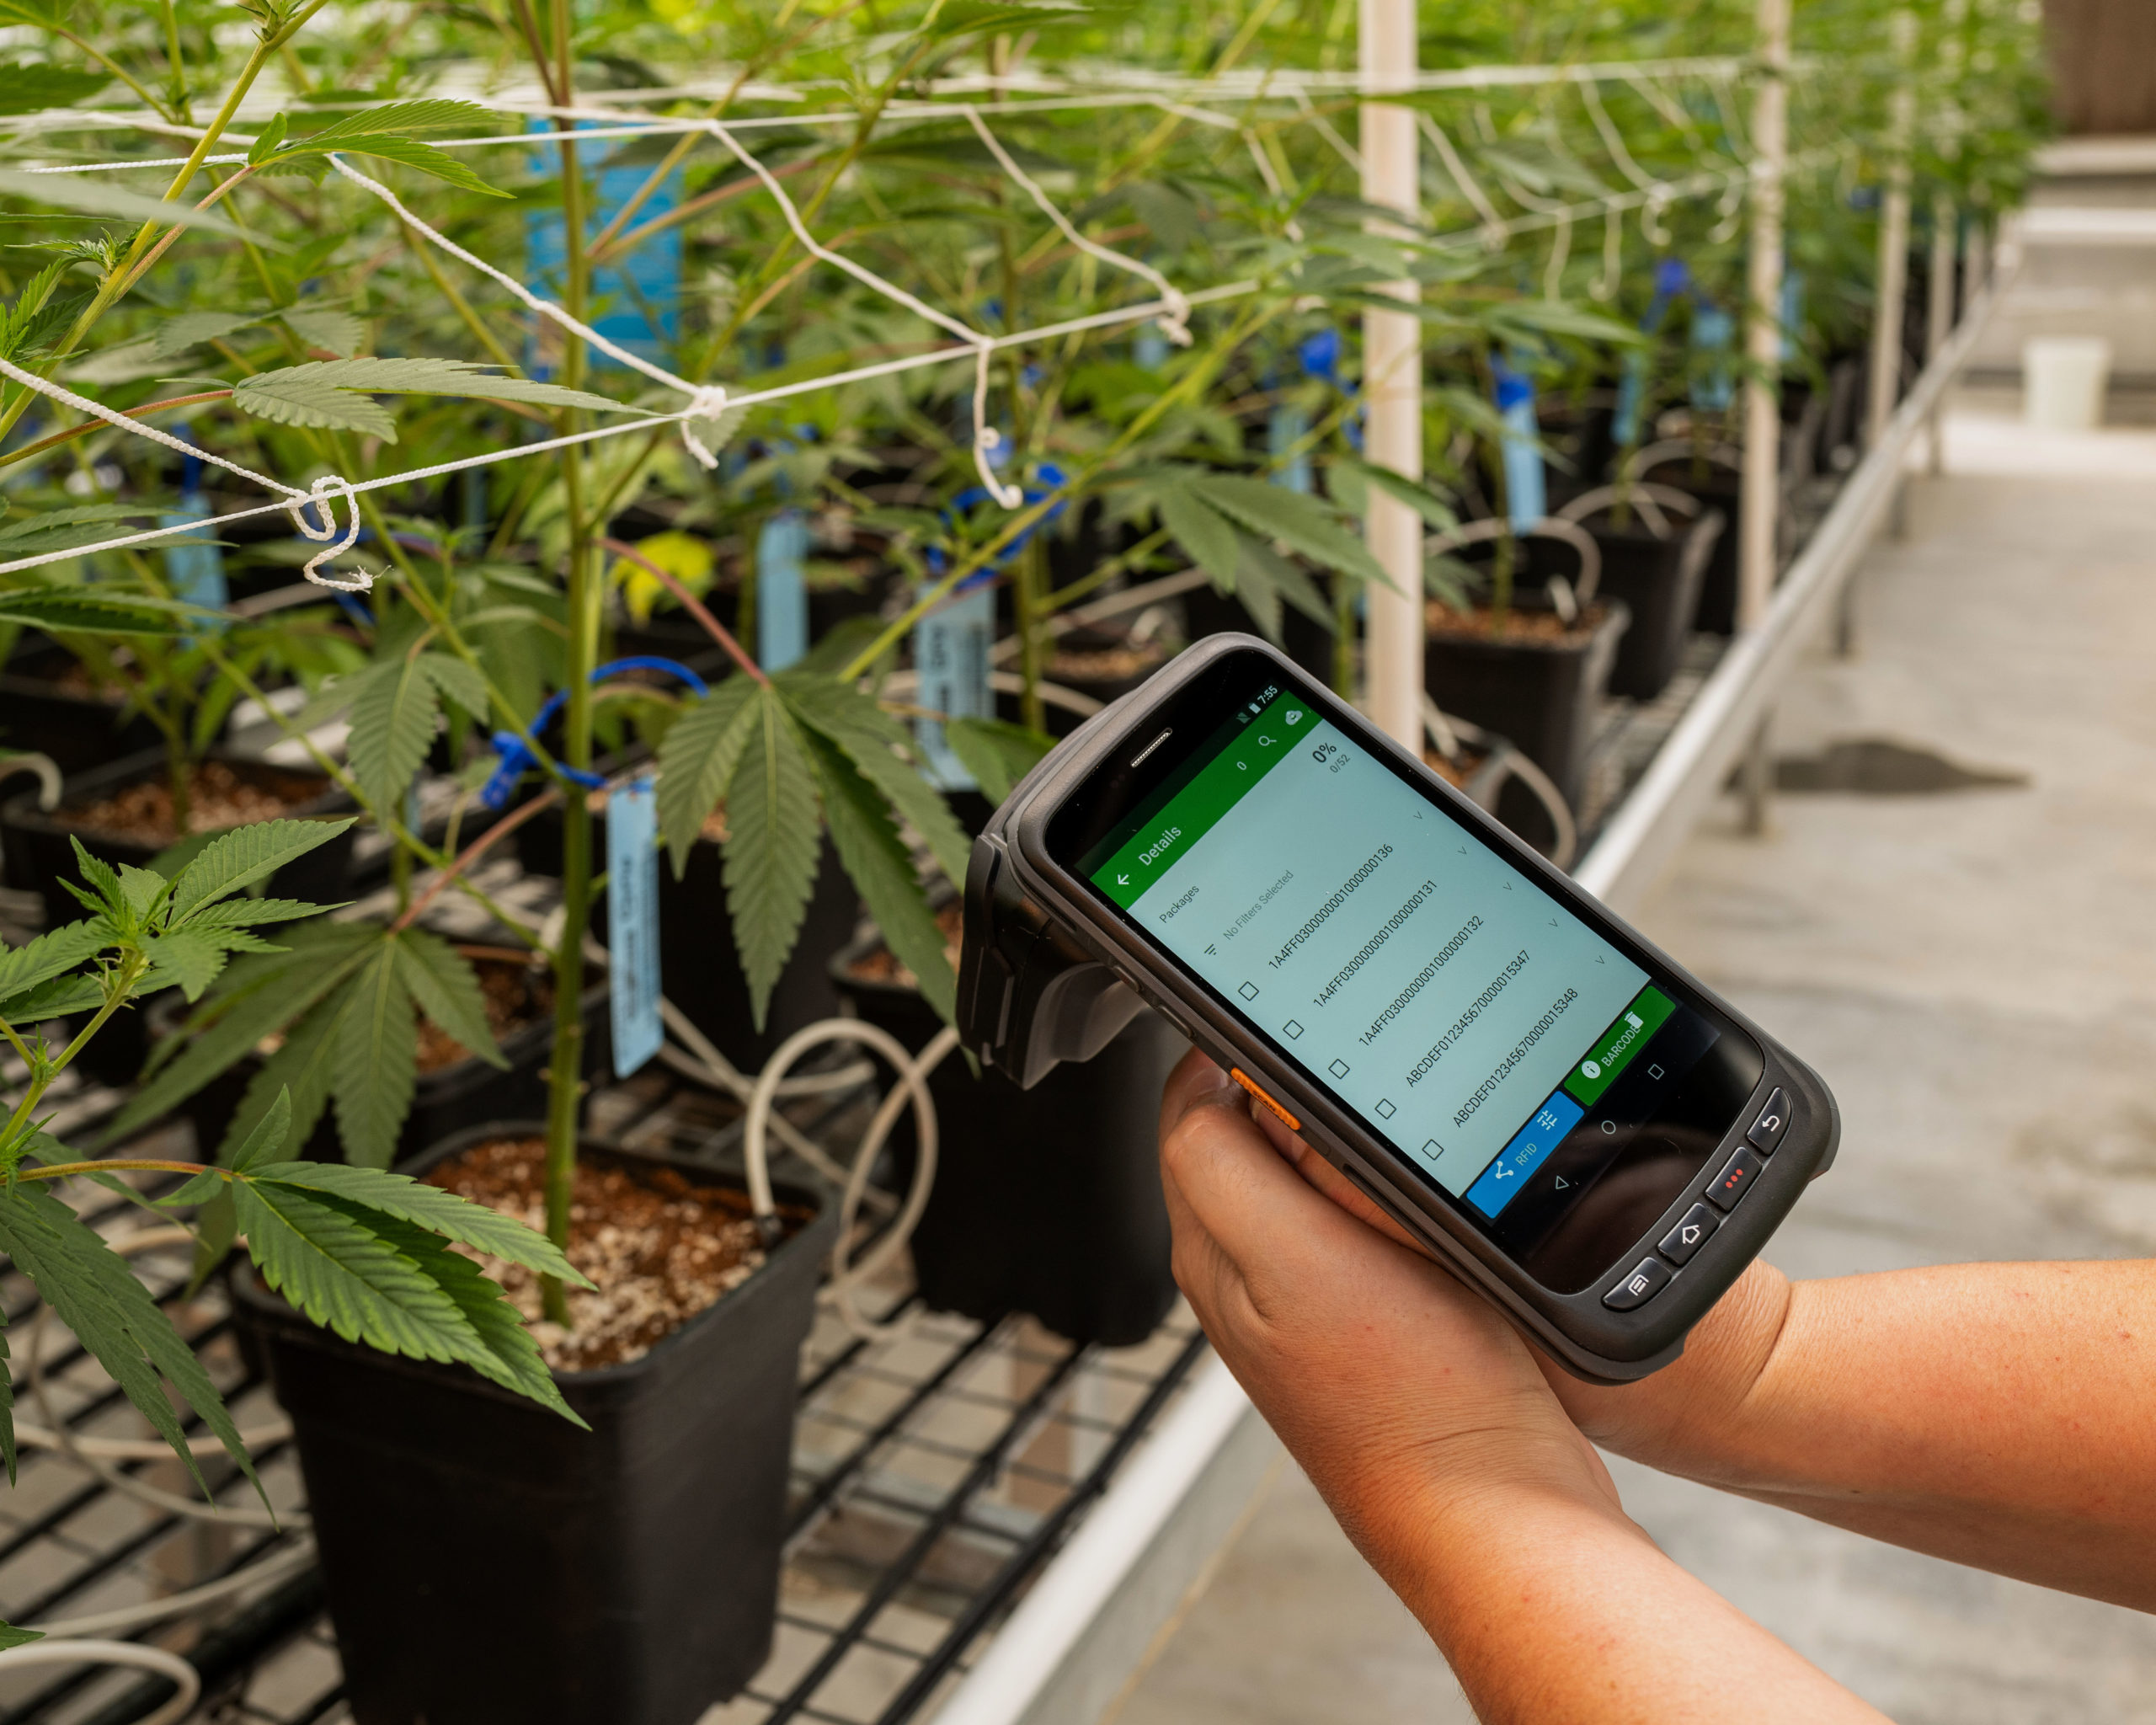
x=1270, y=737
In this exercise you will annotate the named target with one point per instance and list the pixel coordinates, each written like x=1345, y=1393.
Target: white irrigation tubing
x=184, y=1676
x=912, y=1087
x=56, y=1433
x=276, y=1568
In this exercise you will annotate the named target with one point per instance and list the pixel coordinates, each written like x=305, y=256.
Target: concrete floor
x=1974, y=974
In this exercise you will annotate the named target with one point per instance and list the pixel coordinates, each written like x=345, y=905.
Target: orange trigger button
x=1244, y=1079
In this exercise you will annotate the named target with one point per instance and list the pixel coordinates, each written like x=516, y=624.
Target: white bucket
x=2063, y=378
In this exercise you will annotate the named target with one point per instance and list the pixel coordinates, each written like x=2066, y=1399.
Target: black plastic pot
x=1046, y=1200
x=1658, y=580
x=445, y=1102
x=39, y=854
x=699, y=964
x=78, y=729
x=1303, y=638
x=488, y=1563
x=1717, y=488
x=1542, y=694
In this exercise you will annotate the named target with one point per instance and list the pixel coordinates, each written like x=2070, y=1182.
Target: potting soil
x=217, y=797
x=1533, y=623
x=515, y=995
x=658, y=1249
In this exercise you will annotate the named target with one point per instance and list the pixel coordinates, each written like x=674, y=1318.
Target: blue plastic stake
x=782, y=591
x=1527, y=496
x=1151, y=347
x=950, y=650
x=194, y=564
x=633, y=923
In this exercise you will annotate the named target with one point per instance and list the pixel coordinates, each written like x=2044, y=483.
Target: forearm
x=1549, y=1608
x=1995, y=1414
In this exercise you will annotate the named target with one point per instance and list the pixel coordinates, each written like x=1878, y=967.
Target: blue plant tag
x=950, y=651
x=195, y=564
x=1792, y=314
x=1149, y=347
x=633, y=923
x=1286, y=426
x=1527, y=496
x=636, y=298
x=1713, y=333
x=782, y=591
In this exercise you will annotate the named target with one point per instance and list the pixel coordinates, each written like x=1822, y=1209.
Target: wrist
x=1690, y=1417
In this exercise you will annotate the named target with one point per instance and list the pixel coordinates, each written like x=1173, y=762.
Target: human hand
x=1407, y=1399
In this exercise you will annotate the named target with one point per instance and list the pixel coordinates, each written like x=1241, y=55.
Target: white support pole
x=1392, y=385
x=1893, y=275
x=1761, y=497
x=1762, y=334
x=1938, y=316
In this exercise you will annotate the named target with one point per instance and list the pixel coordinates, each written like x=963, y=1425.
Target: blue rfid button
x=1515, y=1165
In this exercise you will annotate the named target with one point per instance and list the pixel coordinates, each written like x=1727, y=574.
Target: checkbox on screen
x=1248, y=991
x=1386, y=1111
x=1338, y=1069
x=1292, y=1030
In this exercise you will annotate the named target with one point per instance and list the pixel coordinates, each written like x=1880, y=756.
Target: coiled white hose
x=51, y=1652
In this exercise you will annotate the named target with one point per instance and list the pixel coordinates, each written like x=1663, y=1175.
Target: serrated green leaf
x=881, y=871
x=98, y=875
x=1207, y=536
x=256, y=997
x=175, y=335
x=86, y=194
x=345, y=1276
x=1305, y=523
x=11, y=1636
x=410, y=152
x=1434, y=510
x=376, y=1062
x=430, y=1207
x=191, y=960
x=393, y=728
x=459, y=683
x=94, y=1292
x=240, y=858
x=94, y=611
x=772, y=848
x=447, y=990
x=50, y=955
x=59, y=998
x=340, y=331
x=64, y=529
x=141, y=888
x=336, y=394
x=1264, y=572
x=27, y=89
x=404, y=118
x=270, y=1136
x=1518, y=321
x=240, y=913
x=882, y=750
x=696, y=761
x=997, y=754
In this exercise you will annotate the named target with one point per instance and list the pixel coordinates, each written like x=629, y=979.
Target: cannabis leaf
x=25, y=90
x=336, y=394
x=770, y=852
x=88, y=196
x=386, y=132
x=102, y=611
x=997, y=754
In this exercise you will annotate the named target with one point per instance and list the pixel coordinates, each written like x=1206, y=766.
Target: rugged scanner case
x=1048, y=973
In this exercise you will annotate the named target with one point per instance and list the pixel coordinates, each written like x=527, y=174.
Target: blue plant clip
x=516, y=760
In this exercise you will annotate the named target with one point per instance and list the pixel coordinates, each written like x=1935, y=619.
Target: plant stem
x=566, y=1074
x=713, y=626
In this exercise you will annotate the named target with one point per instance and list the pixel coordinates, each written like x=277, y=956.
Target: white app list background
x=1237, y=898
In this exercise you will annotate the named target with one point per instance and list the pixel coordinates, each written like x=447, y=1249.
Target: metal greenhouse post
x=1762, y=347
x=1392, y=384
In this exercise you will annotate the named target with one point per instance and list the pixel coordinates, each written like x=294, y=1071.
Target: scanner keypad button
x=1766, y=1133
x=1689, y=1235
x=1649, y=1280
x=1734, y=1180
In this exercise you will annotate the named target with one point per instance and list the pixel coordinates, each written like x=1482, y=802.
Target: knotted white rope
x=324, y=489
x=1493, y=224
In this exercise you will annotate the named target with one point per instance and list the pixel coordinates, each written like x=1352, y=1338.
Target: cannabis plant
x=368, y=1254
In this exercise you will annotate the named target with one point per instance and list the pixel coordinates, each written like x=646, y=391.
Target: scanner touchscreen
x=1467, y=1016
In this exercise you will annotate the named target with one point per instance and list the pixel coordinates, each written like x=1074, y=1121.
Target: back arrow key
x=1122, y=880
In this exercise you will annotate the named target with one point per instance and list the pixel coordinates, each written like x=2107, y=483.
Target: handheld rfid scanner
x=1567, y=1120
